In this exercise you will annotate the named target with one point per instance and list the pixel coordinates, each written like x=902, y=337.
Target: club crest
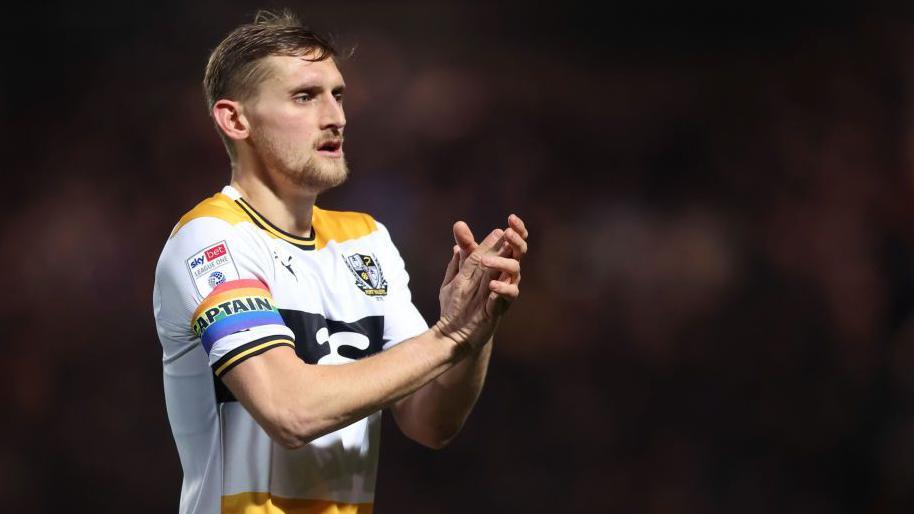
x=368, y=274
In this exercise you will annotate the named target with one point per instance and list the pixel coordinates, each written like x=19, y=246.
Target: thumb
x=464, y=238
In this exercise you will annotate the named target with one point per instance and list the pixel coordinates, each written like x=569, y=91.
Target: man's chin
x=322, y=177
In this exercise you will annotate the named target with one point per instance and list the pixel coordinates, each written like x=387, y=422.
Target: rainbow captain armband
x=233, y=307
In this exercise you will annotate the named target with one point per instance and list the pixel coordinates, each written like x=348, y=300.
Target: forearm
x=300, y=402
x=435, y=413
x=297, y=402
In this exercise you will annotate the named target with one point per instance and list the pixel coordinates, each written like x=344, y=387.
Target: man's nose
x=332, y=115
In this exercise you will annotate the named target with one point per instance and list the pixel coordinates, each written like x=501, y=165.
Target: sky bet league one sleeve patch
x=212, y=266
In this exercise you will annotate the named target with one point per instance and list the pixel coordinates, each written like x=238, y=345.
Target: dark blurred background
x=718, y=308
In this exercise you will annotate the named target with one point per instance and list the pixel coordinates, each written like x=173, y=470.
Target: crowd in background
x=717, y=312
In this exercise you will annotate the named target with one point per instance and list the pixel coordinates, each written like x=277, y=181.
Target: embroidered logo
x=368, y=274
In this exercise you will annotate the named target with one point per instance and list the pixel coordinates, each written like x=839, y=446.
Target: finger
x=452, y=266
x=516, y=243
x=463, y=236
x=508, y=278
x=501, y=264
x=500, y=297
x=518, y=224
x=465, y=240
x=504, y=290
x=505, y=249
x=491, y=244
x=472, y=264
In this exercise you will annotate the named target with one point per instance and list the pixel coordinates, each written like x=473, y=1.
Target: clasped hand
x=481, y=281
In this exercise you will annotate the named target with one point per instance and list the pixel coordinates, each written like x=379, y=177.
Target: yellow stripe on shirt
x=217, y=206
x=326, y=225
x=266, y=503
x=339, y=226
x=249, y=351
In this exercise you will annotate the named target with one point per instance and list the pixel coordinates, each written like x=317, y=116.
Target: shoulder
x=211, y=227
x=209, y=245
x=341, y=226
x=219, y=207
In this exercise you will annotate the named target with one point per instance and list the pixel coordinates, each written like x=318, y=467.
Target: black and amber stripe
x=326, y=226
x=305, y=243
x=248, y=350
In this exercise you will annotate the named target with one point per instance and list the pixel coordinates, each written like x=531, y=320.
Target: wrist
x=445, y=335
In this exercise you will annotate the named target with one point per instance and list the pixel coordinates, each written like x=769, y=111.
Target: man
x=286, y=328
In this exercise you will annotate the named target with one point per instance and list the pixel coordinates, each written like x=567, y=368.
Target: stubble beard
x=313, y=172
x=317, y=173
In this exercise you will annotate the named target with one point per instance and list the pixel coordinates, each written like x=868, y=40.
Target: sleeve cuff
x=246, y=351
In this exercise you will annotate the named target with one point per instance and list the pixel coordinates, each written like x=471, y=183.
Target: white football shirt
x=229, y=286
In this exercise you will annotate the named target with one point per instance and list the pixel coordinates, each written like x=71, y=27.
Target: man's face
x=296, y=121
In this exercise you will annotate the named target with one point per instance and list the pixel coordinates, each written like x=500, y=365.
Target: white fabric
x=222, y=449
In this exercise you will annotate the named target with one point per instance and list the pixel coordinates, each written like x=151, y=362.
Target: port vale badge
x=368, y=274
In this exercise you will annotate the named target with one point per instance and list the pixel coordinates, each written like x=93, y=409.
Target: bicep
x=264, y=385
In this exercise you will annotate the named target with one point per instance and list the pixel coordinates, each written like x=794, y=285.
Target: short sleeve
x=212, y=289
x=402, y=319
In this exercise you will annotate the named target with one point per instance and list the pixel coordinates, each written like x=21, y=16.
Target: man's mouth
x=331, y=147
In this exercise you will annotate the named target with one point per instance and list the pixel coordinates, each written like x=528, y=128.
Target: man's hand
x=506, y=288
x=433, y=386
x=481, y=281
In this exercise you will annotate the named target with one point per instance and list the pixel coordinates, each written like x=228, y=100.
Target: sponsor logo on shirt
x=216, y=251
x=286, y=262
x=212, y=266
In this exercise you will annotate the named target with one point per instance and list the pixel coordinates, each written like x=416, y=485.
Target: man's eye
x=302, y=98
x=339, y=97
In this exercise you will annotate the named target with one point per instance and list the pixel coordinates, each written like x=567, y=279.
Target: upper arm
x=262, y=384
x=213, y=281
x=212, y=290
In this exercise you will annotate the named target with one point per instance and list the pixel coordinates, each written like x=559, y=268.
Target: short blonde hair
x=235, y=67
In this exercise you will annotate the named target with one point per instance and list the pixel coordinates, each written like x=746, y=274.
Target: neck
x=286, y=205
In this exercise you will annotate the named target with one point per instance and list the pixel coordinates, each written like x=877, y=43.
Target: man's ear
x=229, y=116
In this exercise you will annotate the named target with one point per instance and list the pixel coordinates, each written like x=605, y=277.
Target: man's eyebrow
x=315, y=88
